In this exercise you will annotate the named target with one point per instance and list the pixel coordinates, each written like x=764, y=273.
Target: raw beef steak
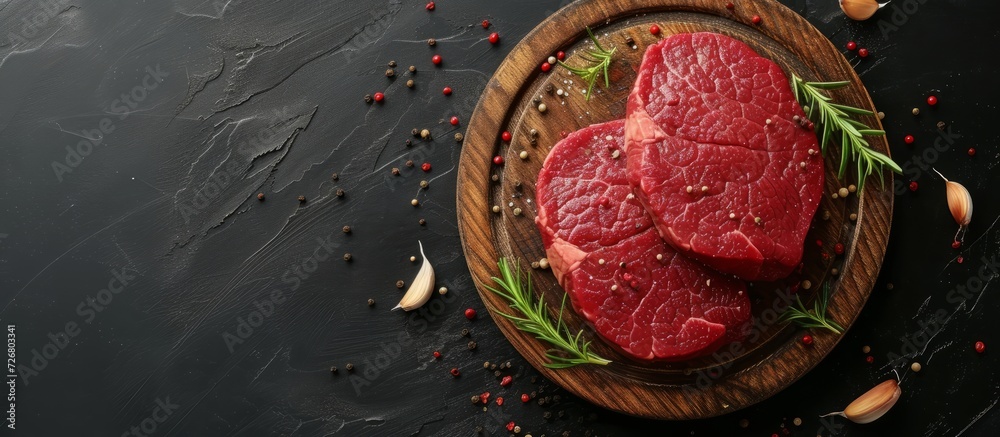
x=660, y=306
x=717, y=159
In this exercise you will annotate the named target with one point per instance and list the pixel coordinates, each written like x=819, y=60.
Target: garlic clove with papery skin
x=860, y=10
x=873, y=404
x=959, y=203
x=422, y=287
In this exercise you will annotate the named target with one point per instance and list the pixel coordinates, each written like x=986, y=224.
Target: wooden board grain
x=738, y=375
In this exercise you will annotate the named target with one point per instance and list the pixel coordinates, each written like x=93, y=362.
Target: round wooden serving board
x=738, y=375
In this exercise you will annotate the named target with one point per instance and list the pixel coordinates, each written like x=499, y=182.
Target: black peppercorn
x=422, y=222
x=472, y=345
x=474, y=399
x=409, y=163
x=371, y=302
x=349, y=367
x=333, y=369
x=409, y=143
x=390, y=73
x=340, y=192
x=415, y=132
x=629, y=41
x=497, y=373
x=400, y=283
x=368, y=98
x=335, y=176
x=392, y=64
x=346, y=229
x=347, y=257
x=431, y=42
x=548, y=88
x=410, y=83
x=459, y=137
x=413, y=69
x=465, y=333
x=395, y=171
x=302, y=199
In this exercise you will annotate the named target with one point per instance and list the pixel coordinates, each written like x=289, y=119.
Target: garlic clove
x=860, y=10
x=959, y=201
x=422, y=287
x=873, y=404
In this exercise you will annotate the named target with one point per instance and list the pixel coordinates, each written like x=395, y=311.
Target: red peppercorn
x=430, y=6
x=510, y=426
x=807, y=340
x=425, y=166
x=563, y=134
x=525, y=398
x=654, y=29
x=756, y=19
x=838, y=248
x=560, y=55
x=494, y=38
x=972, y=151
x=437, y=354
x=980, y=347
x=470, y=313
x=499, y=400
x=931, y=100
x=506, y=136
x=960, y=259
x=956, y=244
x=484, y=397
x=454, y=372
x=454, y=121
x=914, y=186
x=486, y=24
x=869, y=359
x=546, y=67
x=627, y=276
x=446, y=91
x=909, y=139
x=863, y=52
x=506, y=381
x=379, y=97
x=730, y=5
x=436, y=59
x=819, y=243
x=498, y=160
x=851, y=45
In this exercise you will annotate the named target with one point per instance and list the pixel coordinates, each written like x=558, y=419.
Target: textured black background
x=267, y=97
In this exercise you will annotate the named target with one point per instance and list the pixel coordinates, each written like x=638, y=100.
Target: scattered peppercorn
x=412, y=69
x=346, y=229
x=379, y=97
x=425, y=166
x=915, y=111
x=498, y=160
x=415, y=202
x=436, y=59
x=807, y=340
x=546, y=67
x=730, y=6
x=914, y=185
x=654, y=29
x=755, y=19
x=390, y=73
x=499, y=400
x=838, y=249
x=863, y=52
x=368, y=98
x=437, y=354
x=940, y=125
x=424, y=184
x=333, y=370
x=340, y=192
x=494, y=38
x=408, y=163
x=980, y=347
x=470, y=313
x=400, y=283
x=869, y=359
x=347, y=257
x=425, y=134
x=630, y=41
x=506, y=381
x=446, y=91
x=423, y=222
x=472, y=345
x=431, y=42
x=851, y=45
x=260, y=196
x=909, y=139
x=932, y=100
x=409, y=83
x=549, y=88
x=302, y=199
x=459, y=137
x=453, y=121
x=371, y=302
x=429, y=6
x=349, y=367
x=395, y=171
x=486, y=24
x=972, y=151
x=454, y=372
x=465, y=333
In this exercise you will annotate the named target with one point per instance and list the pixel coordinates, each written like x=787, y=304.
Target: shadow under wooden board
x=738, y=375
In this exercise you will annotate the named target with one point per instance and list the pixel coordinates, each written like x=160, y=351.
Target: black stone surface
x=135, y=136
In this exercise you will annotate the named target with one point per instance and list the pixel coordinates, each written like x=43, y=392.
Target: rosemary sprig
x=515, y=286
x=834, y=118
x=600, y=60
x=814, y=318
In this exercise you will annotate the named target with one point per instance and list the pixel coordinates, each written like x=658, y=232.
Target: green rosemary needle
x=815, y=317
x=599, y=58
x=569, y=350
x=832, y=118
